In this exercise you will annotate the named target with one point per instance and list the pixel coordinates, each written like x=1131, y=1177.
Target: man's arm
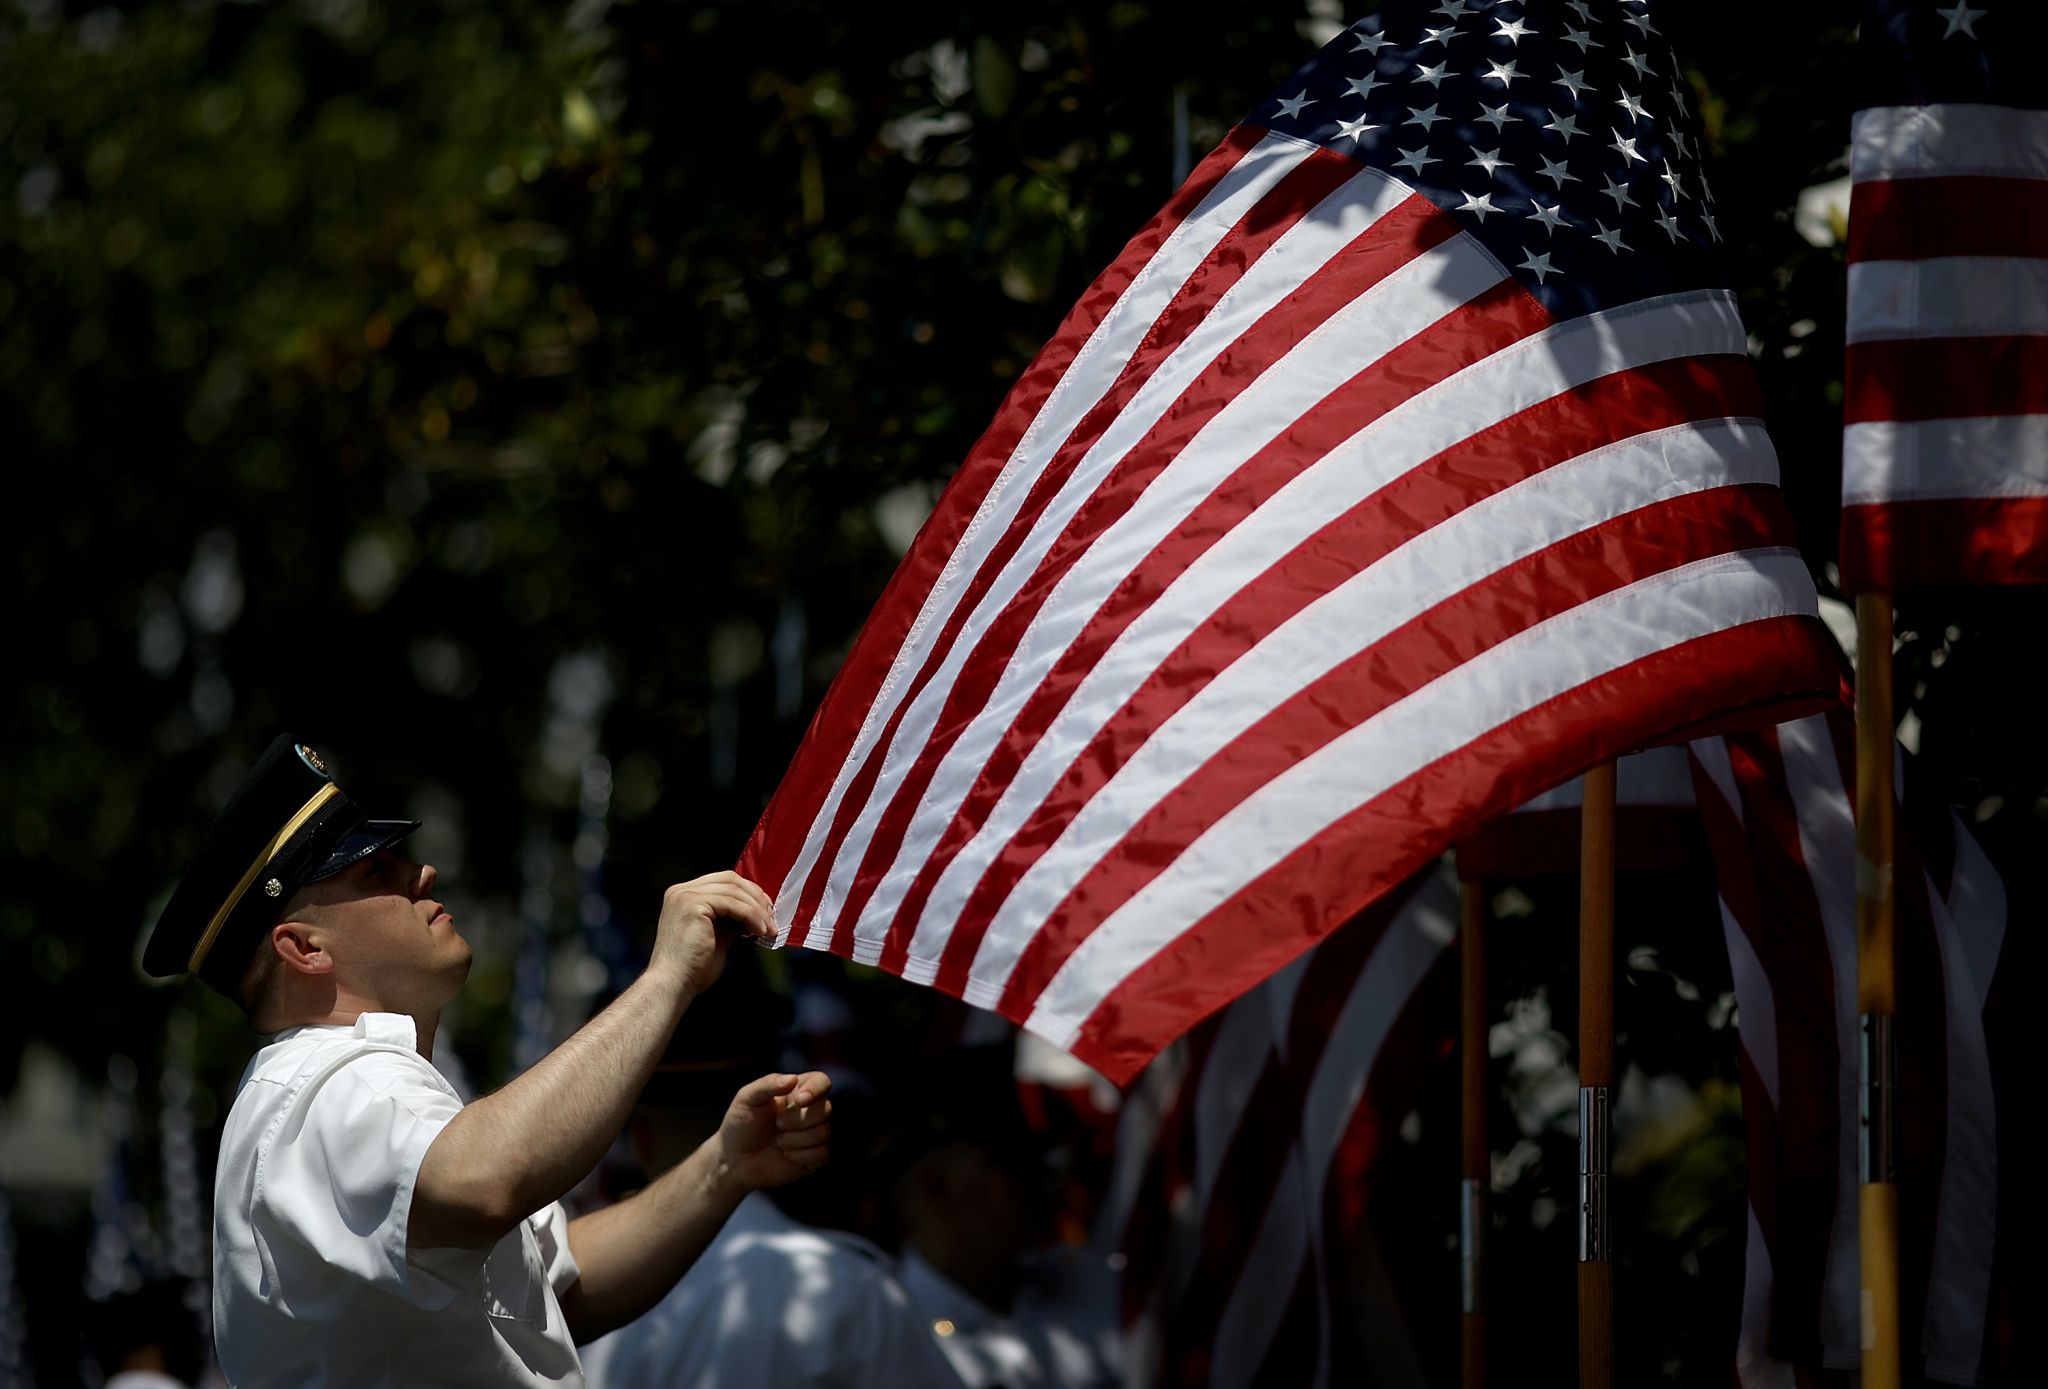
x=509, y=1154
x=630, y=1254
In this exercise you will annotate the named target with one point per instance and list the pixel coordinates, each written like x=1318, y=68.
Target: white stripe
x=1386, y=315
x=1541, y=663
x=1309, y=244
x=1535, y=513
x=1946, y=140
x=1659, y=777
x=1756, y=1009
x=1260, y=1292
x=1947, y=297
x=1755, y=1366
x=1711, y=756
x=1966, y=1221
x=1827, y=841
x=1920, y=460
x=1501, y=385
x=1138, y=1123
x=1094, y=368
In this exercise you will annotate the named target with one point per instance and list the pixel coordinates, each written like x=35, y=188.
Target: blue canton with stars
x=1920, y=51
x=1558, y=134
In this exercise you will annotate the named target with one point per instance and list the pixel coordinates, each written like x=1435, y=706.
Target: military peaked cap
x=286, y=825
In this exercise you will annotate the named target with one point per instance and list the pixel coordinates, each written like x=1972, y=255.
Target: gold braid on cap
x=292, y=826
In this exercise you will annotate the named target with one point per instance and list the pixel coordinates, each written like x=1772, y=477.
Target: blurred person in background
x=776, y=1300
x=1009, y=1308
x=148, y=1338
x=369, y=1228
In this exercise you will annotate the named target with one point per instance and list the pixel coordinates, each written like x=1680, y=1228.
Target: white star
x=1362, y=86
x=1641, y=21
x=1626, y=149
x=1574, y=81
x=1437, y=35
x=1618, y=192
x=1502, y=73
x=1355, y=130
x=1488, y=160
x=1424, y=116
x=1583, y=39
x=1678, y=96
x=1434, y=76
x=1639, y=63
x=1677, y=138
x=1368, y=43
x=1675, y=179
x=1610, y=239
x=1961, y=19
x=1496, y=116
x=1564, y=124
x=1555, y=171
x=1290, y=106
x=1510, y=29
x=1712, y=226
x=1632, y=105
x=1478, y=204
x=1549, y=218
x=1450, y=9
x=1585, y=10
x=1539, y=266
x=1415, y=159
x=1670, y=225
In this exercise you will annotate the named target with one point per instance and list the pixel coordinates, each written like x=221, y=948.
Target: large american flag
x=1406, y=464
x=1246, y=1151
x=1945, y=417
x=1778, y=807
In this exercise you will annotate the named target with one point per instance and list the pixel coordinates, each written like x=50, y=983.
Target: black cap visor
x=358, y=844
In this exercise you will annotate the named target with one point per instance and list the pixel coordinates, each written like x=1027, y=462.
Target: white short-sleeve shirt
x=772, y=1304
x=313, y=1282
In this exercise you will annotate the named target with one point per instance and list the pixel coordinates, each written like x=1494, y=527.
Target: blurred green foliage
x=365, y=366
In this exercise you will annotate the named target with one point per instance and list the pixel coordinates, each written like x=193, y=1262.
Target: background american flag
x=1945, y=421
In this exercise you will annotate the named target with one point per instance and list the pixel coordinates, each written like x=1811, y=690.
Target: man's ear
x=298, y=946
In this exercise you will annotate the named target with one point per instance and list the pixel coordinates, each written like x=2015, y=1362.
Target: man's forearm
x=510, y=1153
x=630, y=1254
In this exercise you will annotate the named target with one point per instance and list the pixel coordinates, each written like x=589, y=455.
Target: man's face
x=390, y=939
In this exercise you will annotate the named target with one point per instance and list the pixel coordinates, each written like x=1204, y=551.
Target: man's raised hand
x=776, y=1129
x=688, y=940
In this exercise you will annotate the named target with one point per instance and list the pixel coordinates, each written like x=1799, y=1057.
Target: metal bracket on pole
x=1878, y=1132
x=1471, y=1220
x=1593, y=1226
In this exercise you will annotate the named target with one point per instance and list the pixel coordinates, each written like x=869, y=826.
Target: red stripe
x=1893, y=546
x=1920, y=218
x=1408, y=231
x=782, y=829
x=1298, y=192
x=1600, y=560
x=1325, y=881
x=1945, y=378
x=1793, y=948
x=1601, y=412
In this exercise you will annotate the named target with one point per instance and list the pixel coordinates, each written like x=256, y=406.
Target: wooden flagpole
x=1476, y=1165
x=1596, y=1075
x=1877, y=999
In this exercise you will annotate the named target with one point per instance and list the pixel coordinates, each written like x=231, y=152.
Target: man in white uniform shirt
x=369, y=1228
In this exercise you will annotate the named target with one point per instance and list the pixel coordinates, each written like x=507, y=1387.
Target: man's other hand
x=776, y=1129
x=688, y=940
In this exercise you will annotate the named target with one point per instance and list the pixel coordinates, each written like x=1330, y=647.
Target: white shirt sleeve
x=338, y=1175
x=550, y=1226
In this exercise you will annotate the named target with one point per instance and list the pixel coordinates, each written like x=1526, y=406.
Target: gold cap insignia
x=273, y=888
x=312, y=759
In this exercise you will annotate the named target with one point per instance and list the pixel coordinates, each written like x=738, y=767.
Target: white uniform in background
x=1062, y=1333
x=773, y=1303
x=314, y=1285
